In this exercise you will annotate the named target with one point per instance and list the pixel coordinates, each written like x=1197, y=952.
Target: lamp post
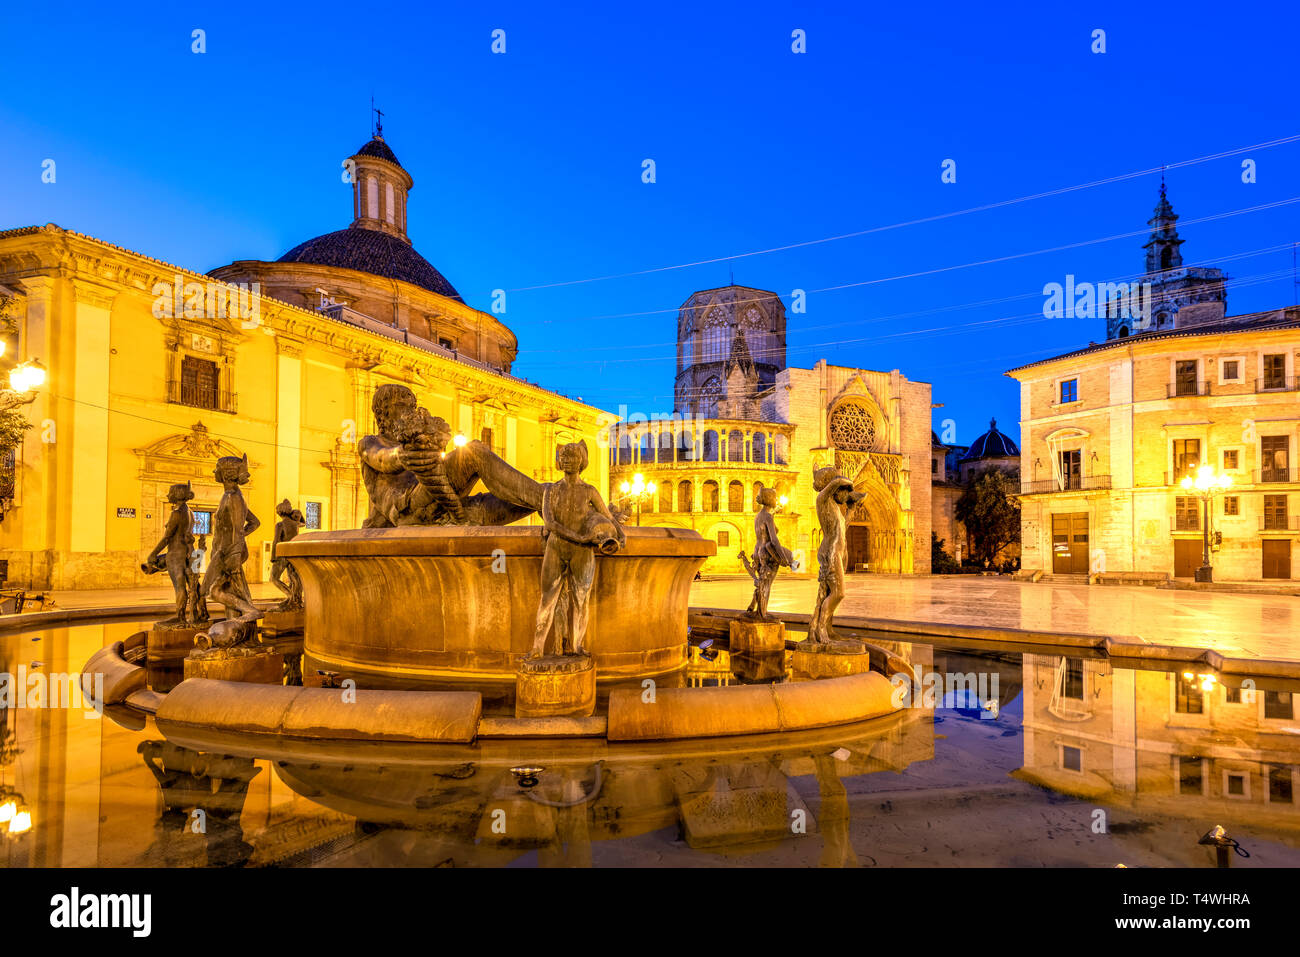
x=638, y=489
x=24, y=379
x=1206, y=484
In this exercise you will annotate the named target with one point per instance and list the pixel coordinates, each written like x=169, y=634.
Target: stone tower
x=1178, y=295
x=730, y=346
x=379, y=188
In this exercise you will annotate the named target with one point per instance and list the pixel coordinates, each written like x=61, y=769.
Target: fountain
x=440, y=622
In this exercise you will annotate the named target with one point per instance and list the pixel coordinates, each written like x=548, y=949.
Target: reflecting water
x=1004, y=759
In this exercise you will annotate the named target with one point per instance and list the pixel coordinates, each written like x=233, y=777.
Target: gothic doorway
x=859, y=547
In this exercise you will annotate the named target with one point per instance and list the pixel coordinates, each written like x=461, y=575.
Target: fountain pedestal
x=428, y=603
x=830, y=659
x=556, y=687
x=752, y=637
x=254, y=665
x=171, y=642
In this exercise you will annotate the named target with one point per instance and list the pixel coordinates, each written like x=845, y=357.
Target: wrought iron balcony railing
x=1070, y=483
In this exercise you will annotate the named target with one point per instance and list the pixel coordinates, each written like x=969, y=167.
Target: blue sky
x=528, y=165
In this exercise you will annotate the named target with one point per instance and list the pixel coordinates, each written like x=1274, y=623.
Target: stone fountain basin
x=454, y=601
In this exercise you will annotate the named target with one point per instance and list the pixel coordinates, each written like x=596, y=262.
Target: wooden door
x=859, y=537
x=1070, y=543
x=1188, y=555
x=1277, y=558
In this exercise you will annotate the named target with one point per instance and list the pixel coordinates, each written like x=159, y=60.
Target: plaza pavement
x=1234, y=625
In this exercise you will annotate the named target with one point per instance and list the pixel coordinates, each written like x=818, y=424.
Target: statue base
x=252, y=664
x=751, y=636
x=830, y=659
x=556, y=686
x=171, y=642
x=285, y=622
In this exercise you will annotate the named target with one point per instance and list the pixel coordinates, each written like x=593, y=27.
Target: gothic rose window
x=710, y=393
x=852, y=429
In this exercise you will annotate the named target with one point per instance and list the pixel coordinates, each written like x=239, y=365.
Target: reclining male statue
x=412, y=481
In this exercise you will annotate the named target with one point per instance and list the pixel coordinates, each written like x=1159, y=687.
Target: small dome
x=370, y=251
x=991, y=445
x=378, y=149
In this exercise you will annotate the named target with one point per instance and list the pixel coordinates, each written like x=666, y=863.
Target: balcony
x=1278, y=383
x=1185, y=521
x=1179, y=389
x=1072, y=483
x=1279, y=523
x=199, y=397
x=1273, y=476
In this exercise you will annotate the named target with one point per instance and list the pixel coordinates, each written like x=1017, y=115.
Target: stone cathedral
x=744, y=420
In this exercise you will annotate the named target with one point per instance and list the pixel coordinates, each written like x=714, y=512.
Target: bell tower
x=379, y=187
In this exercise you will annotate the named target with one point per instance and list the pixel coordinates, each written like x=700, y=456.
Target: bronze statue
x=411, y=480
x=576, y=526
x=835, y=496
x=769, y=555
x=286, y=530
x=224, y=580
x=173, y=553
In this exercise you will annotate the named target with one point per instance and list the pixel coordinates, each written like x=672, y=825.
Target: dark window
x=1229, y=458
x=1072, y=469
x=1277, y=704
x=724, y=538
x=486, y=437
x=1070, y=390
x=1279, y=783
x=1231, y=505
x=710, y=503
x=311, y=512
x=1187, y=514
x=1231, y=695
x=445, y=343
x=1237, y=784
x=198, y=382
x=1071, y=759
x=934, y=466
x=202, y=522
x=1275, y=512
x=735, y=497
x=1274, y=458
x=1189, y=775
x=1275, y=372
x=710, y=446
x=685, y=492
x=1185, y=376
x=1188, y=697
x=666, y=497
x=1187, y=456
x=1072, y=679
x=1231, y=370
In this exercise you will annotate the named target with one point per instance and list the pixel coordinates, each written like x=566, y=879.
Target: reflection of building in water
x=1181, y=739
x=743, y=421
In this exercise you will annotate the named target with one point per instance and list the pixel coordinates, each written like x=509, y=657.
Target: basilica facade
x=155, y=370
x=744, y=420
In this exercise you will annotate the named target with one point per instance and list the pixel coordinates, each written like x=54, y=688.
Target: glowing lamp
x=21, y=823
x=7, y=810
x=459, y=440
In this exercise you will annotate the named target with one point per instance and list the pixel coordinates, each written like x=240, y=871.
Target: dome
x=374, y=252
x=991, y=445
x=379, y=150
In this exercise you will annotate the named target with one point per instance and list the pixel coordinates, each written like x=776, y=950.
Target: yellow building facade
x=154, y=371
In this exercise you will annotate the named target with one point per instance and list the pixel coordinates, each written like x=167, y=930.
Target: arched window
x=710, y=446
x=685, y=496
x=686, y=446
x=710, y=493
x=625, y=449
x=665, y=496
x=779, y=445
x=372, y=197
x=752, y=322
x=647, y=448
x=710, y=393
x=852, y=428
x=736, y=446
x=687, y=336
x=715, y=337
x=1123, y=331
x=759, y=442
x=735, y=497
x=758, y=487
x=388, y=202
x=666, y=439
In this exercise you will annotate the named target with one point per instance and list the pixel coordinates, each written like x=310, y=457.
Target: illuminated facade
x=744, y=420
x=154, y=371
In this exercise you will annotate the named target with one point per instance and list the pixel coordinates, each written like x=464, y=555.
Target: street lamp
x=1206, y=484
x=638, y=489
